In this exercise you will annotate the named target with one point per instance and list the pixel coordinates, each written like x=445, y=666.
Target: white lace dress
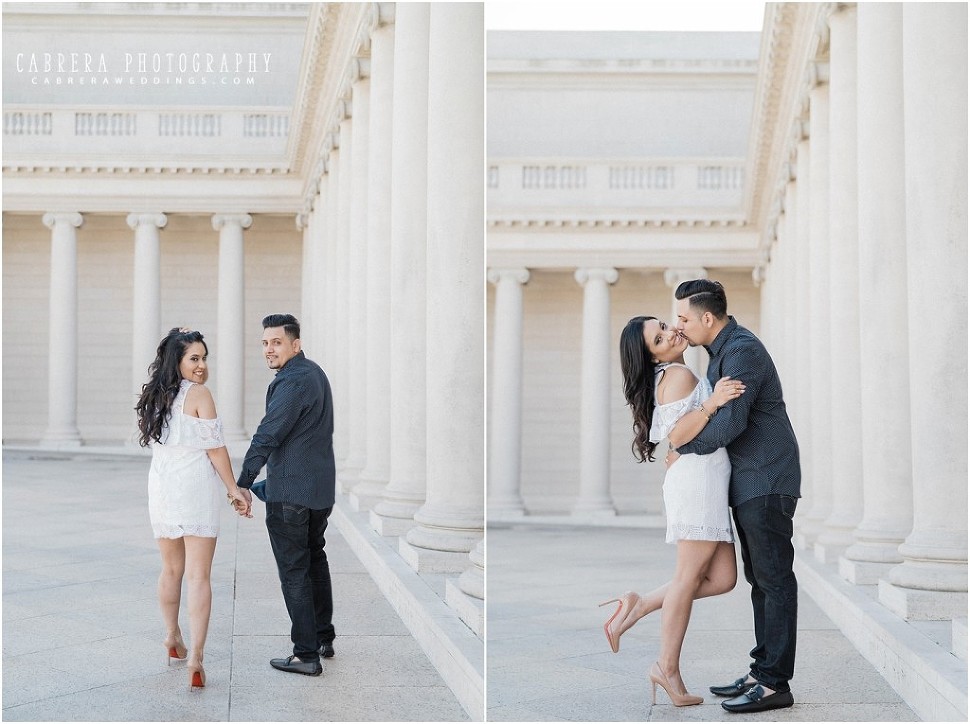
x=696, y=486
x=185, y=492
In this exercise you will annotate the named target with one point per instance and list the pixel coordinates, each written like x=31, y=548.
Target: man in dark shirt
x=765, y=486
x=295, y=443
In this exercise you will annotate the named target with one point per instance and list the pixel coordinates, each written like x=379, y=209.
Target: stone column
x=62, y=347
x=594, y=449
x=931, y=582
x=357, y=289
x=231, y=381
x=405, y=491
x=695, y=357
x=466, y=594
x=376, y=473
x=804, y=349
x=809, y=519
x=886, y=460
x=451, y=522
x=505, y=415
x=146, y=297
x=341, y=389
x=844, y=373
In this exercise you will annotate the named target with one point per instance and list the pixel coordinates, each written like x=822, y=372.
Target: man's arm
x=747, y=365
x=283, y=410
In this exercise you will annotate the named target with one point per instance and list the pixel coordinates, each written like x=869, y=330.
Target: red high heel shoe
x=176, y=649
x=626, y=601
x=196, y=676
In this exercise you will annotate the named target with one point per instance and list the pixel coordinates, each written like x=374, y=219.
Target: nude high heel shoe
x=657, y=676
x=176, y=648
x=626, y=601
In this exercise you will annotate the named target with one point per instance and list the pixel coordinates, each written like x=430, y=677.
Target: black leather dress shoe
x=735, y=689
x=295, y=666
x=326, y=651
x=754, y=699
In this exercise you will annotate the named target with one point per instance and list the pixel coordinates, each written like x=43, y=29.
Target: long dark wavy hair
x=164, y=379
x=638, y=380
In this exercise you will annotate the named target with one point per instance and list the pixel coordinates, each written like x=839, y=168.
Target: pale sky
x=607, y=15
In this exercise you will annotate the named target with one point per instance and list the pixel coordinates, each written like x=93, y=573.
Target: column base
x=389, y=526
x=347, y=479
x=832, y=543
x=501, y=515
x=61, y=439
x=596, y=509
x=958, y=638
x=863, y=573
x=506, y=508
x=806, y=534
x=366, y=494
x=471, y=610
x=427, y=560
x=914, y=604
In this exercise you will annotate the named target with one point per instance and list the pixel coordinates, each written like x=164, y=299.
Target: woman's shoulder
x=678, y=382
x=198, y=401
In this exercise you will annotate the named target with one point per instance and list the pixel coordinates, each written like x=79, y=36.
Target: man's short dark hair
x=704, y=295
x=286, y=321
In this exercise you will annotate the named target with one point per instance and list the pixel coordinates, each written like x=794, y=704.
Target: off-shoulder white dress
x=184, y=489
x=696, y=486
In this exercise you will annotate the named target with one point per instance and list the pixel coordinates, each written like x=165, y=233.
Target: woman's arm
x=688, y=426
x=199, y=403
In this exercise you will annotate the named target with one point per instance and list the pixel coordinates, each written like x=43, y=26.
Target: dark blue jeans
x=297, y=536
x=764, y=527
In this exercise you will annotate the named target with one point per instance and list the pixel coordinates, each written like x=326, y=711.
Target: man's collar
x=298, y=355
x=722, y=337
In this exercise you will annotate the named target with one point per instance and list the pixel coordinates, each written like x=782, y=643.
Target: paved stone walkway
x=82, y=633
x=548, y=659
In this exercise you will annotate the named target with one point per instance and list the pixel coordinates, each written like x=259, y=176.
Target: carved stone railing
x=633, y=185
x=105, y=137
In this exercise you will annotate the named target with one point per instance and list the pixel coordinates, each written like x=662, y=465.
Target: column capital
x=138, y=219
x=606, y=274
x=674, y=276
x=518, y=274
x=52, y=218
x=242, y=220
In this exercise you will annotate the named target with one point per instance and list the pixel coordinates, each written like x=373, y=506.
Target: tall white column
x=405, y=491
x=885, y=454
x=231, y=382
x=341, y=392
x=819, y=362
x=62, y=428
x=357, y=292
x=932, y=580
x=146, y=296
x=376, y=473
x=802, y=382
x=844, y=374
x=695, y=357
x=594, y=448
x=505, y=414
x=451, y=522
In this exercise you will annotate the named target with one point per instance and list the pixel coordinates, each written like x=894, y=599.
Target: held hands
x=725, y=390
x=241, y=501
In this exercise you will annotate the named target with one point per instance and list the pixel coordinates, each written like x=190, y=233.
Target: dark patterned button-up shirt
x=755, y=427
x=295, y=438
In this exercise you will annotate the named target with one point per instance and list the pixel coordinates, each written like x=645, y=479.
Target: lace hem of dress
x=180, y=531
x=684, y=531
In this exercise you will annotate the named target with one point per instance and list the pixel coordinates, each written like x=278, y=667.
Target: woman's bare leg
x=170, y=585
x=721, y=577
x=198, y=570
x=694, y=557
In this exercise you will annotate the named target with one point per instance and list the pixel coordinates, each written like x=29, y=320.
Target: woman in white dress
x=667, y=400
x=177, y=418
